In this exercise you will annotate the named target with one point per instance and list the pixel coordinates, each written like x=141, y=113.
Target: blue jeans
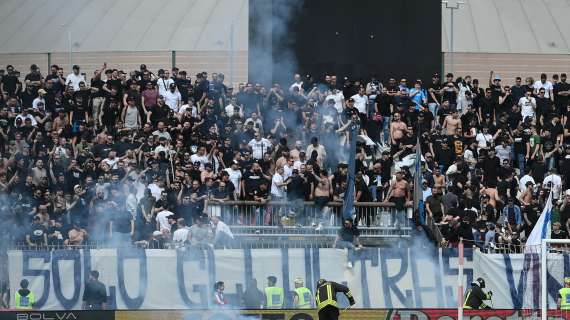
x=386, y=128
x=433, y=109
x=521, y=161
x=341, y=244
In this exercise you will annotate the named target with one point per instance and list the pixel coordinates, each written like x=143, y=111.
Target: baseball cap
x=350, y=100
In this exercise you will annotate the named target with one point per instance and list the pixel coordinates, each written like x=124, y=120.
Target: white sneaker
x=319, y=227
x=349, y=265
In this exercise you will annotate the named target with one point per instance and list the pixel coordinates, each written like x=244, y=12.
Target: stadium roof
x=39, y=26
x=509, y=26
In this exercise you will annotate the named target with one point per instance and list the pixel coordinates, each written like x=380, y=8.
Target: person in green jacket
x=24, y=298
x=274, y=296
x=302, y=296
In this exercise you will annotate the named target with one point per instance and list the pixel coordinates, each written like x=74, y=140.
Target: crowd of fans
x=152, y=158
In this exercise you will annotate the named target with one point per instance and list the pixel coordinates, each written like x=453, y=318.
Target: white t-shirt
x=193, y=109
x=36, y=101
x=231, y=110
x=277, y=189
x=163, y=85
x=527, y=106
x=360, y=103
x=180, y=236
x=483, y=140
x=112, y=163
x=202, y=159
x=235, y=178
x=338, y=99
x=172, y=99
x=74, y=80
x=155, y=190
x=556, y=184
x=522, y=182
x=221, y=227
x=162, y=218
x=259, y=148
x=547, y=85
x=296, y=84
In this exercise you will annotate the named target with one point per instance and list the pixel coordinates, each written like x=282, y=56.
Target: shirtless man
x=491, y=190
x=438, y=179
x=452, y=122
x=322, y=193
x=399, y=193
x=397, y=129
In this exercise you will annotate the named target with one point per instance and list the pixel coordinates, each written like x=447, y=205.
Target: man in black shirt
x=95, y=294
x=561, y=93
x=347, y=238
x=487, y=106
x=434, y=94
x=517, y=90
x=184, y=86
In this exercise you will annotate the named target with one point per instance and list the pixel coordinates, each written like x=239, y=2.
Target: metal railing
x=306, y=213
x=284, y=224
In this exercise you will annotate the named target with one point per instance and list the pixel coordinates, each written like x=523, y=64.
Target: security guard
x=274, y=296
x=25, y=299
x=475, y=296
x=301, y=295
x=326, y=298
x=563, y=301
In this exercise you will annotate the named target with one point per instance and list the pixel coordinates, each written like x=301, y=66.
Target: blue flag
x=348, y=206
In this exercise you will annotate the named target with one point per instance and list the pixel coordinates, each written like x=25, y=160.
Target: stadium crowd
x=151, y=158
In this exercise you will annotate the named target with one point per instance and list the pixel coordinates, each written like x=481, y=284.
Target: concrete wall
x=507, y=65
x=191, y=61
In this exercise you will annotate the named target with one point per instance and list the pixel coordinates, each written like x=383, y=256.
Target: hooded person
x=24, y=298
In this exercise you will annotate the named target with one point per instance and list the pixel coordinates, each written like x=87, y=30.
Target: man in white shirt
x=162, y=222
x=201, y=157
x=73, y=79
x=361, y=101
x=233, y=109
x=259, y=146
x=235, y=176
x=543, y=83
x=528, y=105
x=182, y=233
x=278, y=185
x=556, y=183
x=297, y=82
x=172, y=98
x=223, y=235
x=526, y=178
x=163, y=82
x=338, y=98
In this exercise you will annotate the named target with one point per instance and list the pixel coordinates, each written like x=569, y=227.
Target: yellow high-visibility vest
x=565, y=298
x=25, y=302
x=304, y=296
x=275, y=297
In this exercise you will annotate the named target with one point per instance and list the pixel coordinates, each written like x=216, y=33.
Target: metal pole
x=460, y=281
x=48, y=61
x=451, y=43
x=232, y=54
x=173, y=59
x=452, y=6
x=70, y=48
x=543, y=288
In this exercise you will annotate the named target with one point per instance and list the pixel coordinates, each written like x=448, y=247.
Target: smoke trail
x=273, y=47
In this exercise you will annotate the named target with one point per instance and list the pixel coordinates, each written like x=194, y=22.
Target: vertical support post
x=543, y=275
x=173, y=58
x=48, y=62
x=232, y=55
x=70, y=48
x=460, y=281
x=451, y=53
